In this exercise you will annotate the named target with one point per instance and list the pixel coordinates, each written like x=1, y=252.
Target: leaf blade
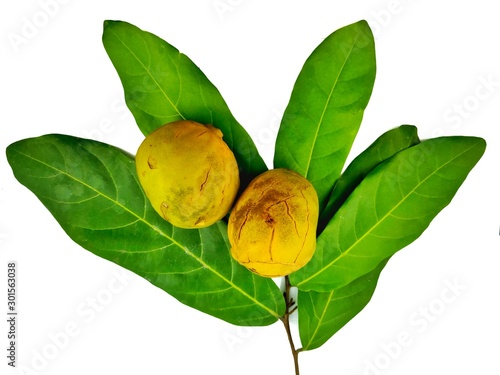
x=322, y=314
x=385, y=146
x=391, y=208
x=163, y=85
x=326, y=107
x=93, y=192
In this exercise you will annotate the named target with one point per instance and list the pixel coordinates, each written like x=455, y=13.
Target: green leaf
x=389, y=209
x=326, y=107
x=322, y=314
x=92, y=191
x=163, y=85
x=385, y=146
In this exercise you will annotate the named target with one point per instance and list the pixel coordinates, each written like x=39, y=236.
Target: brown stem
x=290, y=308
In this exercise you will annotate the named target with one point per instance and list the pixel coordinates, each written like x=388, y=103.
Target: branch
x=291, y=306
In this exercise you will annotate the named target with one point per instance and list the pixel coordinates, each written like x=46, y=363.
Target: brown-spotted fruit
x=188, y=173
x=272, y=227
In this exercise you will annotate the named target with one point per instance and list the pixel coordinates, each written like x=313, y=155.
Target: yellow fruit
x=188, y=173
x=272, y=227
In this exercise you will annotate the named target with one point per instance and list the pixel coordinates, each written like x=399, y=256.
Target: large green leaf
x=326, y=107
x=163, y=85
x=92, y=190
x=388, y=210
x=322, y=314
x=385, y=146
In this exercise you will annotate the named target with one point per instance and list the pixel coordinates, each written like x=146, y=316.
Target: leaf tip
x=363, y=25
x=363, y=22
x=482, y=143
x=9, y=151
x=111, y=23
x=108, y=23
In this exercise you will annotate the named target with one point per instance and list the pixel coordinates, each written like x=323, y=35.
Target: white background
x=434, y=61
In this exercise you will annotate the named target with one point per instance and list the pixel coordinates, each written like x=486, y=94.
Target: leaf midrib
x=320, y=320
x=347, y=251
x=320, y=122
x=161, y=233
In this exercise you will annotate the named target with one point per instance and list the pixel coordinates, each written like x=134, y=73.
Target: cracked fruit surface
x=272, y=227
x=188, y=173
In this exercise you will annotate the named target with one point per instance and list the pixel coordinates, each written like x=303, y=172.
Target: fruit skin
x=188, y=173
x=272, y=227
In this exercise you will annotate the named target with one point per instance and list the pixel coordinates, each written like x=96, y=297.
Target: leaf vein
x=376, y=224
x=160, y=232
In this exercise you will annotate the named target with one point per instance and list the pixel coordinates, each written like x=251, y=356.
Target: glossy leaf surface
x=92, y=190
x=326, y=107
x=382, y=148
x=322, y=314
x=389, y=209
x=163, y=85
